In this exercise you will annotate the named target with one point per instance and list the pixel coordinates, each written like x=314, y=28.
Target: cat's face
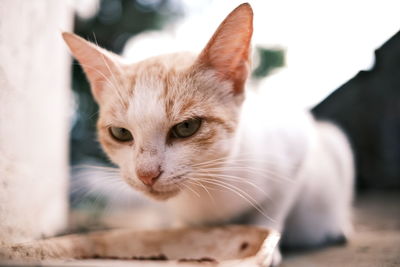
x=176, y=118
x=163, y=118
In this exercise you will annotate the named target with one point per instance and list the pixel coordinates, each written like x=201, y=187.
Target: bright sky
x=326, y=42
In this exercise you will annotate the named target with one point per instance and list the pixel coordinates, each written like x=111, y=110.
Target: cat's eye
x=121, y=134
x=186, y=128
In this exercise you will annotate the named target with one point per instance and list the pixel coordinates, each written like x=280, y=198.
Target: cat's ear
x=228, y=50
x=101, y=66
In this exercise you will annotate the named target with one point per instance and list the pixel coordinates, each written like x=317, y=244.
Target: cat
x=183, y=129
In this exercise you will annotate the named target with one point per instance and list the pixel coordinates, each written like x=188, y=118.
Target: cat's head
x=163, y=118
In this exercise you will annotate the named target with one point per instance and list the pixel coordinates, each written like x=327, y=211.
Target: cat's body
x=303, y=167
x=182, y=130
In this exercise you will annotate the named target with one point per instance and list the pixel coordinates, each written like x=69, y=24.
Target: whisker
x=191, y=189
x=231, y=185
x=233, y=158
x=198, y=180
x=260, y=172
x=255, y=205
x=113, y=76
x=106, y=78
x=99, y=181
x=195, y=182
x=232, y=178
x=94, y=114
x=236, y=161
x=98, y=167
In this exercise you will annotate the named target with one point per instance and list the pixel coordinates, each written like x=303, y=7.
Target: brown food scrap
x=204, y=259
x=160, y=257
x=243, y=246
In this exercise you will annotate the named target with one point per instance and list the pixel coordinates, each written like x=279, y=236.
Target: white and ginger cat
x=182, y=128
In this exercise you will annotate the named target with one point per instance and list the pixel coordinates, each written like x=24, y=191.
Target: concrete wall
x=34, y=108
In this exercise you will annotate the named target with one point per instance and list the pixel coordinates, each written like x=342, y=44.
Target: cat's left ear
x=228, y=50
x=101, y=66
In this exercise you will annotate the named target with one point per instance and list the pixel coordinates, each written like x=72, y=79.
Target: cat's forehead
x=159, y=89
x=146, y=103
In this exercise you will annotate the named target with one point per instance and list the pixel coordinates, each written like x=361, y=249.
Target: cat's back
x=273, y=130
x=289, y=135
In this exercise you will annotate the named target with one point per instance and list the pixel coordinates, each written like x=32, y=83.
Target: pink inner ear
x=228, y=50
x=99, y=65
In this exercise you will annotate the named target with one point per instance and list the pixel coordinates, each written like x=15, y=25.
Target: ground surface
x=376, y=240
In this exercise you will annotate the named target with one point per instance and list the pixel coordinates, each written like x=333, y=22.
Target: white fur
x=311, y=191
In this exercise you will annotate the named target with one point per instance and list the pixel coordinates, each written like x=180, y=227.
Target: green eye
x=121, y=134
x=186, y=128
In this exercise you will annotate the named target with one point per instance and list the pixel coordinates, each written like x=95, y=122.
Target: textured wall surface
x=34, y=101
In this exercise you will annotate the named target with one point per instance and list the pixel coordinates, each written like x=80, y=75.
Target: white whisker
x=263, y=173
x=232, y=178
x=231, y=185
x=244, y=196
x=232, y=159
x=106, y=79
x=195, y=182
x=118, y=86
x=191, y=189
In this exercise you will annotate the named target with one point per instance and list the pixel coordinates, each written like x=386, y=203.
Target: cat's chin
x=161, y=195
x=153, y=193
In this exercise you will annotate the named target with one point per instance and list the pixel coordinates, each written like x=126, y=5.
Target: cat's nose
x=148, y=177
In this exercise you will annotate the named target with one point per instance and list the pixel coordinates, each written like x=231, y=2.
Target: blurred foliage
x=269, y=59
x=118, y=20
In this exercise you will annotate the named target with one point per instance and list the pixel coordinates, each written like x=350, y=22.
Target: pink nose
x=148, y=177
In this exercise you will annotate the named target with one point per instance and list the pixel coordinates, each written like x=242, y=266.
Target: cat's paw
x=269, y=254
x=276, y=258
x=270, y=261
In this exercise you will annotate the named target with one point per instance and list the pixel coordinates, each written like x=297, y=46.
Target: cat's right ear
x=228, y=51
x=101, y=66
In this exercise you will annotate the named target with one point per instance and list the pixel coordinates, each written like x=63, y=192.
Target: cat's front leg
x=273, y=261
x=269, y=254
